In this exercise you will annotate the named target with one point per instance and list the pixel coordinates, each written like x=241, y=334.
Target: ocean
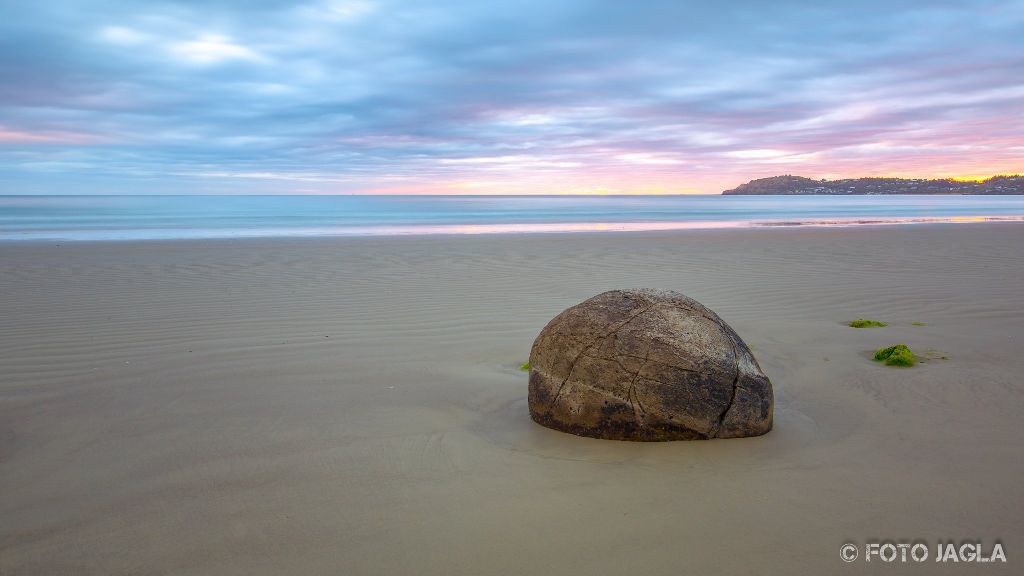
x=85, y=218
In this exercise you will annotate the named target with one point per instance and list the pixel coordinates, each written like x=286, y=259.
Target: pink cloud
x=8, y=136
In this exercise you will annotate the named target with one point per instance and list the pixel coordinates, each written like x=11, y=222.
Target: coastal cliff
x=799, y=185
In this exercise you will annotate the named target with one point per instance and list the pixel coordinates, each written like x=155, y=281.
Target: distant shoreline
x=789, y=185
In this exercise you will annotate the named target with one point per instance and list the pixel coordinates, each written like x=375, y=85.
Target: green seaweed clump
x=918, y=324
x=898, y=355
x=525, y=367
x=863, y=323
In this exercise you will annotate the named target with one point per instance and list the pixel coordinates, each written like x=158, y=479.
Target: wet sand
x=353, y=406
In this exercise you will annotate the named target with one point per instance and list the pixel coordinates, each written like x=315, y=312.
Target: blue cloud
x=368, y=95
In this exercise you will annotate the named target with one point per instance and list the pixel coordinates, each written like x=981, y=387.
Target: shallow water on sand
x=71, y=218
x=354, y=405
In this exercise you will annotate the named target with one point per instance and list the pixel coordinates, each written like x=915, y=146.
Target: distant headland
x=1006, y=184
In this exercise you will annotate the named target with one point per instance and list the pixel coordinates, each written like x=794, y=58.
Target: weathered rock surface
x=646, y=365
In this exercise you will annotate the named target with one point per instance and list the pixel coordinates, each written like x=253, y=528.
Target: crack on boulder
x=701, y=311
x=600, y=391
x=617, y=358
x=631, y=392
x=654, y=361
x=596, y=342
x=732, y=397
x=566, y=379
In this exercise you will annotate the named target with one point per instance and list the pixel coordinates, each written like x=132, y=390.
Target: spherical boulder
x=646, y=365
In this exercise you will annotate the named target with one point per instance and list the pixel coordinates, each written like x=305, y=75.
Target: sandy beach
x=354, y=405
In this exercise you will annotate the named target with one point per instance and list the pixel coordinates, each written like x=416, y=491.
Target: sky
x=514, y=97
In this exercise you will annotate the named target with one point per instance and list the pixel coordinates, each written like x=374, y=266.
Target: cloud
x=123, y=36
x=213, y=48
x=342, y=10
x=756, y=154
x=46, y=137
x=525, y=97
x=644, y=158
